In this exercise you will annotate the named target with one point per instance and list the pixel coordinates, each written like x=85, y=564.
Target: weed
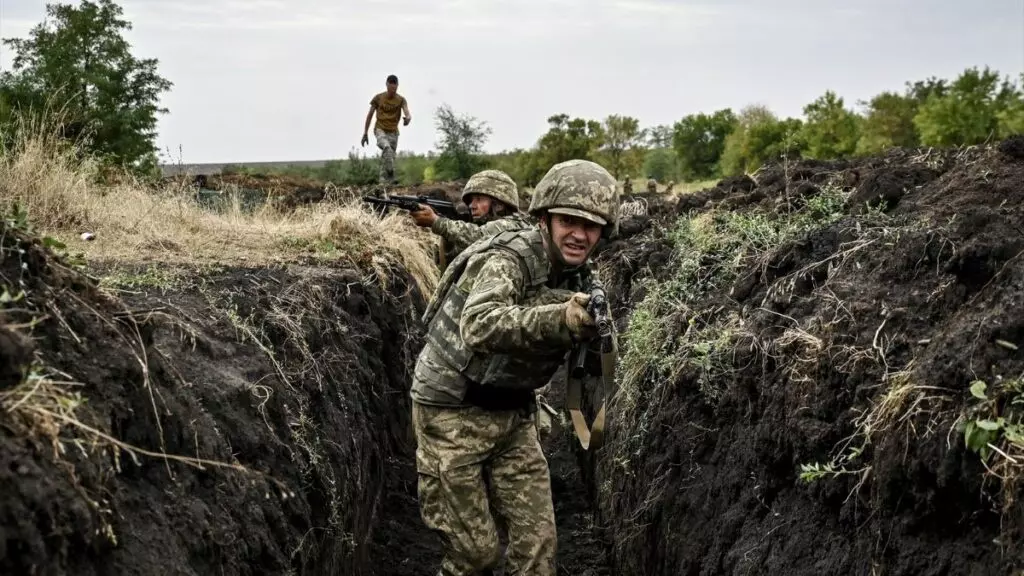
x=671, y=337
x=993, y=427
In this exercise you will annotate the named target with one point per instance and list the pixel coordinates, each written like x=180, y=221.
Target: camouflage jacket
x=458, y=235
x=496, y=320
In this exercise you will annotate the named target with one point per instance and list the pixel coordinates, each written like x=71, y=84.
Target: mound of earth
x=801, y=375
x=450, y=191
x=238, y=421
x=878, y=181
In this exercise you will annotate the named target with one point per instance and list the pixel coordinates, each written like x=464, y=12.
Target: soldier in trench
x=493, y=199
x=506, y=313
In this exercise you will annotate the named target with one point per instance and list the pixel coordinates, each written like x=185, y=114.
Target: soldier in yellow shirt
x=388, y=106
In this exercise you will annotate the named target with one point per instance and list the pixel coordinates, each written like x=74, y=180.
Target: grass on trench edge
x=64, y=197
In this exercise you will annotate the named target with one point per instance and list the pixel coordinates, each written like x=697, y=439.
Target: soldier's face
x=479, y=205
x=392, y=88
x=574, y=237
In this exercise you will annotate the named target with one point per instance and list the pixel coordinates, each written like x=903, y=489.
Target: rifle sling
x=592, y=436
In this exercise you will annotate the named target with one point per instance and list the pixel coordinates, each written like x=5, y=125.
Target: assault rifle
x=597, y=307
x=411, y=203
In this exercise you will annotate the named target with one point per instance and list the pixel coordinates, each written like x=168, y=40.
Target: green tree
x=830, y=130
x=107, y=96
x=660, y=165
x=461, y=145
x=921, y=90
x=888, y=122
x=569, y=140
x=1011, y=117
x=759, y=137
x=699, y=140
x=622, y=138
x=969, y=111
x=660, y=136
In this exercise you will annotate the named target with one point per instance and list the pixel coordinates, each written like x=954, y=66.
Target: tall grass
x=66, y=193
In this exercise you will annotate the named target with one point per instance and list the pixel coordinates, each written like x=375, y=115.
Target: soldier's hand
x=425, y=216
x=406, y=120
x=579, y=321
x=365, y=140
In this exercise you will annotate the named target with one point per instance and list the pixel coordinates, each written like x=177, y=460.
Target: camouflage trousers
x=388, y=144
x=470, y=462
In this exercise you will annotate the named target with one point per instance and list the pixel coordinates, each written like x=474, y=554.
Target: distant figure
x=627, y=186
x=652, y=185
x=388, y=106
x=668, y=188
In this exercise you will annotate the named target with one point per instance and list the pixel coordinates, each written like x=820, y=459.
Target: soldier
x=492, y=198
x=388, y=106
x=627, y=186
x=652, y=185
x=503, y=318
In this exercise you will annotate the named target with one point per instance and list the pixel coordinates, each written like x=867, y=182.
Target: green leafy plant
x=995, y=423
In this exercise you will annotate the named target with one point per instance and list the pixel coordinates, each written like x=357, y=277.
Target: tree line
x=77, y=66
x=977, y=106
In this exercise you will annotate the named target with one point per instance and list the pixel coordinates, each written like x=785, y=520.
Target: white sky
x=276, y=80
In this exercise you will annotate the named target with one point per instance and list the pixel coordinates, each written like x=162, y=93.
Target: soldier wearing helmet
x=493, y=199
x=501, y=322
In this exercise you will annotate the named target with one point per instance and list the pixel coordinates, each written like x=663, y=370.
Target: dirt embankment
x=798, y=371
x=239, y=421
x=220, y=419
x=290, y=191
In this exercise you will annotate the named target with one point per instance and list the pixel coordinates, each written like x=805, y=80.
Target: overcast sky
x=277, y=80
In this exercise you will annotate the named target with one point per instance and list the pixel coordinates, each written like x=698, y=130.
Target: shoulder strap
x=515, y=242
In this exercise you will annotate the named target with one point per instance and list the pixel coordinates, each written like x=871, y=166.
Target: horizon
x=273, y=82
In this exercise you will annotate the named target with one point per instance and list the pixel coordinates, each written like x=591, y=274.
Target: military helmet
x=493, y=183
x=579, y=188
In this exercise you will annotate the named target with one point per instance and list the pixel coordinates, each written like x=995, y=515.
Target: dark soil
x=323, y=434
x=294, y=378
x=715, y=488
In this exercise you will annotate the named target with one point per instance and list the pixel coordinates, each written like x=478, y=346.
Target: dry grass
x=135, y=224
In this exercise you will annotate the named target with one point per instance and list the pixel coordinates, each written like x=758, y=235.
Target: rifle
x=598, y=310
x=411, y=203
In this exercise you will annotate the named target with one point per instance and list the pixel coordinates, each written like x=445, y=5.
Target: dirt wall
x=278, y=394
x=800, y=372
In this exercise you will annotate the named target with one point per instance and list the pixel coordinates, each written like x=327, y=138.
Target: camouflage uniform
x=652, y=185
x=459, y=235
x=388, y=144
x=497, y=329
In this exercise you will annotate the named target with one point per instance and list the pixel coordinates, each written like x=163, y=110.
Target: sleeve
x=458, y=234
x=374, y=100
x=494, y=321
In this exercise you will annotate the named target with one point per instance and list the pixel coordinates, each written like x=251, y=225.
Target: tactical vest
x=507, y=371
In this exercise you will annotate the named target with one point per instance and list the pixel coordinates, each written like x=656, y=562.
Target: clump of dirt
x=450, y=191
x=802, y=361
x=248, y=421
x=784, y=186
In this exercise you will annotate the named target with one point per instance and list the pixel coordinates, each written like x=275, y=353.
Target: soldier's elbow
x=472, y=336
